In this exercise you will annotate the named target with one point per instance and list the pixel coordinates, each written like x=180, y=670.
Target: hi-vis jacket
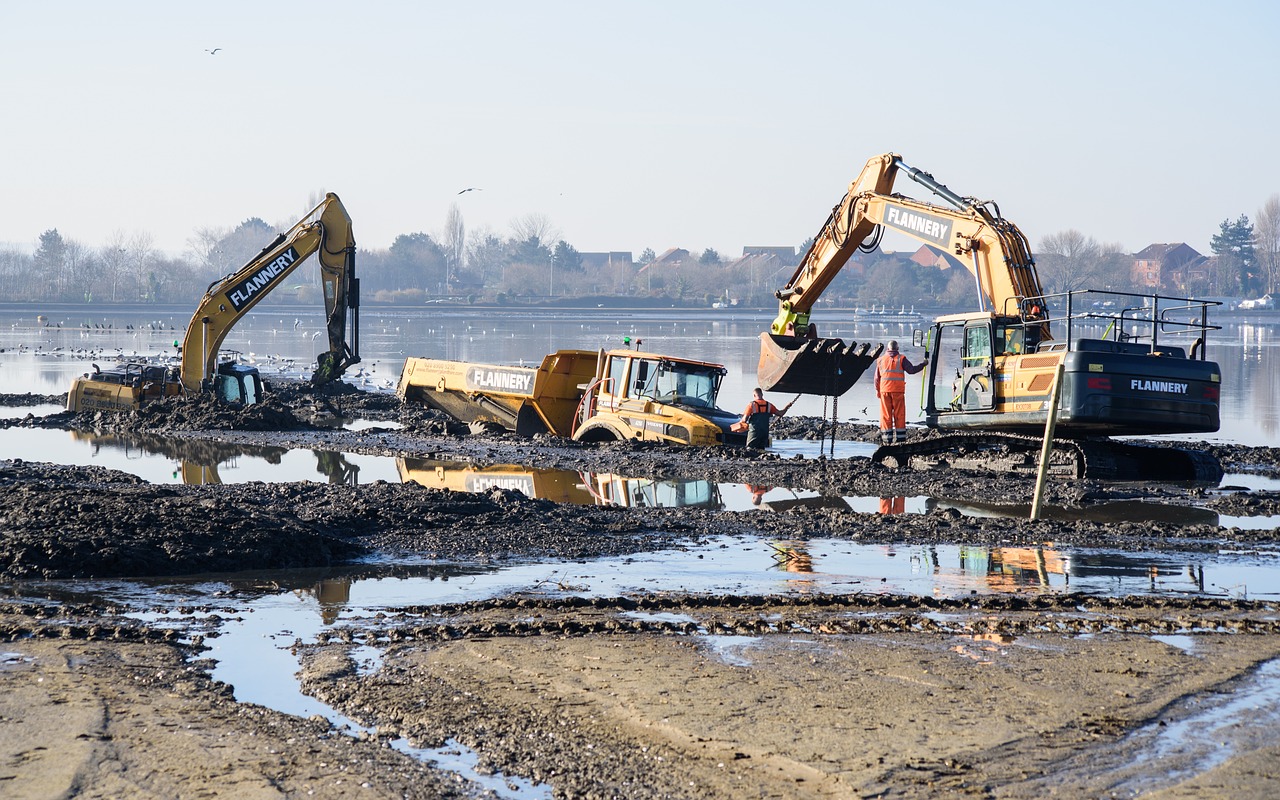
x=891, y=373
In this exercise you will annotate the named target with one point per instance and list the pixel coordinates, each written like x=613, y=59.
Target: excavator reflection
x=199, y=459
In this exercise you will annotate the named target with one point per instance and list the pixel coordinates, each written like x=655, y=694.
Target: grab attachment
x=812, y=366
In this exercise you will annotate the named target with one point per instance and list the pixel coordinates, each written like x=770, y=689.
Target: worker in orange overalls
x=757, y=416
x=892, y=369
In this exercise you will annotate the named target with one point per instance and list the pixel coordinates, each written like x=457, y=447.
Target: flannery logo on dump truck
x=925, y=226
x=1158, y=386
x=243, y=292
x=514, y=380
x=516, y=483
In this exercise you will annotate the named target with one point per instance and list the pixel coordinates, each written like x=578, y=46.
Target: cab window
x=643, y=374
x=977, y=345
x=229, y=389
x=1010, y=340
x=617, y=376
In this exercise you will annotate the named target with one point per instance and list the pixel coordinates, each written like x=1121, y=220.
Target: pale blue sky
x=656, y=124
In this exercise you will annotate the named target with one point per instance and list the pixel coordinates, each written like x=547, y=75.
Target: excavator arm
x=794, y=359
x=325, y=232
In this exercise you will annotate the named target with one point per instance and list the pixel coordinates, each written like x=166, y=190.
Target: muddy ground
x=862, y=696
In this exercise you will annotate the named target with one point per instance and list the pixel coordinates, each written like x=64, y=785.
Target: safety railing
x=1130, y=317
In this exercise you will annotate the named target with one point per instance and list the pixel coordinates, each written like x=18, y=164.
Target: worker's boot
x=886, y=437
x=900, y=434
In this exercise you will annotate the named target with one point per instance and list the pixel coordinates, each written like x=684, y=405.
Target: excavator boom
x=324, y=232
x=993, y=250
x=990, y=371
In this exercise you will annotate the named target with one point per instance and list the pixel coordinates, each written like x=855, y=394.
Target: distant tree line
x=532, y=263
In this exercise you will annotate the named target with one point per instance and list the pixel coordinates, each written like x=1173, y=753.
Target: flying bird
x=214, y=50
x=472, y=189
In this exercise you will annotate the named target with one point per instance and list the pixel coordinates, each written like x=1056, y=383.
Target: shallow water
x=160, y=459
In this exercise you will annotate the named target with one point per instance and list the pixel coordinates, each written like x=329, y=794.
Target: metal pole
x=1047, y=447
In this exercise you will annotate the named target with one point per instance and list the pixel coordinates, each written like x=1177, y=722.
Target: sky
x=631, y=125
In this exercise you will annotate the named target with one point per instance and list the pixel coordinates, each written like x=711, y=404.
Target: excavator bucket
x=795, y=365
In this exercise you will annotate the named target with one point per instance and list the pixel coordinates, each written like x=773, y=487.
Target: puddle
x=1190, y=739
x=21, y=412
x=731, y=649
x=746, y=565
x=809, y=448
x=659, y=616
x=457, y=758
x=1179, y=641
x=254, y=654
x=1254, y=483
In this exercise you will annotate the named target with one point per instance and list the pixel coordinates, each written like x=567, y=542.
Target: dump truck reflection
x=562, y=486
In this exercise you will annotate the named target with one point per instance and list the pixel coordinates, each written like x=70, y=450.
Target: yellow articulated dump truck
x=589, y=396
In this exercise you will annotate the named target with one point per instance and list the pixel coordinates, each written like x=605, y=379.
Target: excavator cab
x=238, y=383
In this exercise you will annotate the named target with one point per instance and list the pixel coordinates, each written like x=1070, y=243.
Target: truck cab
x=652, y=397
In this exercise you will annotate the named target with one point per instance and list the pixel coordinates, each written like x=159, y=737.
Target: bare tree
x=1069, y=261
x=114, y=257
x=202, y=248
x=1266, y=230
x=454, y=239
x=486, y=255
x=536, y=227
x=142, y=255
x=81, y=267
x=314, y=198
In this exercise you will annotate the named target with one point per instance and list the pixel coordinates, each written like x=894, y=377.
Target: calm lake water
x=43, y=358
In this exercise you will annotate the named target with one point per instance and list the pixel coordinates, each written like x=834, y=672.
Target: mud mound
x=71, y=522
x=196, y=413
x=28, y=399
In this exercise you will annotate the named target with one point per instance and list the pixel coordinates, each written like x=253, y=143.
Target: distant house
x=599, y=261
x=1158, y=266
x=928, y=256
x=785, y=255
x=766, y=266
x=1194, y=275
x=673, y=257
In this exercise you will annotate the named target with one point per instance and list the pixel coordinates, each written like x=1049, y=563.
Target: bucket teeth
x=811, y=366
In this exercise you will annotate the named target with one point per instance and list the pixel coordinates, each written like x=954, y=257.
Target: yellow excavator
x=990, y=373
x=324, y=232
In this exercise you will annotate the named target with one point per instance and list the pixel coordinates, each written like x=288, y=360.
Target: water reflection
x=1113, y=512
x=563, y=486
x=199, y=460
x=893, y=505
x=164, y=459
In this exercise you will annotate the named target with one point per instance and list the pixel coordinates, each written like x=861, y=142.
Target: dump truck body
x=581, y=394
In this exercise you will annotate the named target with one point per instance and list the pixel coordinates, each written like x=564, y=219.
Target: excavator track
x=1098, y=459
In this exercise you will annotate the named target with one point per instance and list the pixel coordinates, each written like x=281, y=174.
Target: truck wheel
x=597, y=433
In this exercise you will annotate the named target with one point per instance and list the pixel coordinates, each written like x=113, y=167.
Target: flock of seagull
x=272, y=363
